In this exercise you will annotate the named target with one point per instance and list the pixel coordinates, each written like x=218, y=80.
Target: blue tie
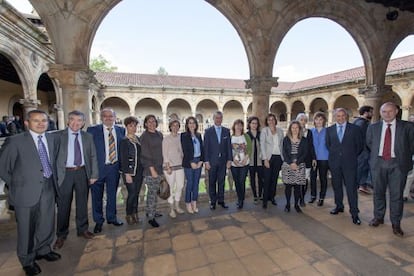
x=44, y=159
x=340, y=133
x=218, y=132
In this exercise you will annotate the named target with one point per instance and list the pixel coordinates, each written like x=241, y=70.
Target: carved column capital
x=261, y=84
x=30, y=103
x=372, y=91
x=72, y=75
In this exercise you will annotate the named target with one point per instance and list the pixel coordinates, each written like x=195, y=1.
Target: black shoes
x=98, y=228
x=240, y=204
x=312, y=200
x=320, y=202
x=33, y=269
x=213, y=206
x=297, y=208
x=264, y=206
x=336, y=211
x=50, y=257
x=273, y=201
x=375, y=222
x=356, y=220
x=222, y=204
x=153, y=223
x=287, y=208
x=396, y=229
x=302, y=202
x=157, y=214
x=116, y=222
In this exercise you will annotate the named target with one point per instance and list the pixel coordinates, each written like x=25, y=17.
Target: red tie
x=386, y=152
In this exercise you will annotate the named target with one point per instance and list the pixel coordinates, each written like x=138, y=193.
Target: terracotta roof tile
x=132, y=79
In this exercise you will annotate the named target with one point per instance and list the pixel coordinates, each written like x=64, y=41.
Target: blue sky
x=192, y=38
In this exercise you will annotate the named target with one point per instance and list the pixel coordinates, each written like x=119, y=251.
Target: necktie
x=111, y=144
x=218, y=132
x=255, y=152
x=44, y=159
x=386, y=151
x=341, y=133
x=78, y=157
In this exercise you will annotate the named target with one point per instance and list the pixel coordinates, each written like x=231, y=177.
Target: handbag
x=164, y=190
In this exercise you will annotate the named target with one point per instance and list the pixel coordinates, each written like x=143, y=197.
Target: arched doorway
x=119, y=106
x=148, y=106
x=297, y=107
x=47, y=96
x=206, y=108
x=349, y=103
x=232, y=110
x=318, y=105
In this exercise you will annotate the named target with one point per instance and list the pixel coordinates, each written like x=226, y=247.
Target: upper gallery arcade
x=48, y=68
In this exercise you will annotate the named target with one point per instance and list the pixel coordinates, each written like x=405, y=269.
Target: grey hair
x=217, y=113
x=302, y=115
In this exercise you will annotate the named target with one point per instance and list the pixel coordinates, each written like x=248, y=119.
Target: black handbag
x=164, y=190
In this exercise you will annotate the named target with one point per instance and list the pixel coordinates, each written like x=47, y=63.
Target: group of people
x=43, y=168
x=10, y=125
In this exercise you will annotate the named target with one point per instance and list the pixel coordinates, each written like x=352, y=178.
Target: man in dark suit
x=27, y=165
x=77, y=168
x=107, y=137
x=344, y=143
x=217, y=157
x=391, y=144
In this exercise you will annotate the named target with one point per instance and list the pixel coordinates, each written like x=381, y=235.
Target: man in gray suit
x=77, y=168
x=27, y=165
x=391, y=144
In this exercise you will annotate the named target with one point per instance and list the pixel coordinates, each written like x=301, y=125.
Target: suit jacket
x=344, y=154
x=188, y=148
x=216, y=153
x=403, y=145
x=21, y=169
x=89, y=155
x=99, y=140
x=266, y=142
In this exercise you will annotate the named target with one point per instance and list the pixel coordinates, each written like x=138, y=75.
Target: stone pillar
x=405, y=112
x=330, y=116
x=74, y=81
x=28, y=105
x=60, y=116
x=288, y=117
x=164, y=122
x=373, y=97
x=245, y=119
x=261, y=88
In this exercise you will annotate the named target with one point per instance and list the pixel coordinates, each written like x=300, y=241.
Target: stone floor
x=230, y=242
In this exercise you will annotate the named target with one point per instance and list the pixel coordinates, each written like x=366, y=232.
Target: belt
x=110, y=164
x=74, y=168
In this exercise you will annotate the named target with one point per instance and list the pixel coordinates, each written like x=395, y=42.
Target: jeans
x=239, y=176
x=193, y=180
x=256, y=171
x=321, y=168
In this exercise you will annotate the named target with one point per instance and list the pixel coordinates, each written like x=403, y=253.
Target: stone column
x=164, y=122
x=373, y=97
x=261, y=88
x=330, y=116
x=245, y=119
x=28, y=105
x=405, y=112
x=74, y=81
x=60, y=116
x=288, y=117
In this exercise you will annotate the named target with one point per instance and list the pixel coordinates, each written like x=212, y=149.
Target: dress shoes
x=240, y=205
x=396, y=229
x=213, y=206
x=223, y=205
x=153, y=223
x=86, y=234
x=116, y=222
x=320, y=202
x=297, y=208
x=98, y=228
x=356, y=220
x=50, y=257
x=287, y=208
x=273, y=201
x=302, y=203
x=336, y=211
x=264, y=206
x=59, y=243
x=312, y=200
x=33, y=269
x=375, y=222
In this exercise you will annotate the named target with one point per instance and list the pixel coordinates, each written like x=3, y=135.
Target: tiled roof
x=132, y=79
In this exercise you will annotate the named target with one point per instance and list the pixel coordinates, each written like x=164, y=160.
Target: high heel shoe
x=312, y=200
x=320, y=202
x=297, y=208
x=287, y=208
x=190, y=208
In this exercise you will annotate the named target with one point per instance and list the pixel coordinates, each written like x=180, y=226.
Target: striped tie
x=111, y=143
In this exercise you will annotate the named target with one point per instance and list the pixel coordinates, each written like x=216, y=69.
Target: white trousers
x=176, y=182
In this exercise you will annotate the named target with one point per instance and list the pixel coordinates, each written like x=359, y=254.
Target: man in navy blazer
x=344, y=143
x=217, y=158
x=390, y=168
x=108, y=166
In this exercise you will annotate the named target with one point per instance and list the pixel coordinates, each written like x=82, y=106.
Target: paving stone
x=245, y=246
x=156, y=247
x=95, y=259
x=199, y=224
x=98, y=243
x=286, y=258
x=209, y=237
x=409, y=269
x=232, y=233
x=184, y=241
x=332, y=267
x=95, y=272
x=274, y=223
x=310, y=252
x=124, y=270
x=303, y=270
x=11, y=260
x=180, y=228
x=269, y=240
x=202, y=271
x=190, y=259
x=129, y=252
x=393, y=254
x=130, y=236
x=14, y=270
x=160, y=265
x=156, y=233
x=230, y=267
x=291, y=237
x=260, y=264
x=244, y=216
x=251, y=228
x=219, y=252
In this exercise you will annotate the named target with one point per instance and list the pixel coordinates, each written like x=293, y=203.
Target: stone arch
x=394, y=98
x=318, y=104
x=297, y=107
x=348, y=102
x=232, y=110
x=46, y=94
x=148, y=106
x=280, y=110
x=180, y=107
x=249, y=110
x=206, y=107
x=119, y=105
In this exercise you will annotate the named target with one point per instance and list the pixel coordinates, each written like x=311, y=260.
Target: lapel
x=51, y=147
x=64, y=141
x=83, y=134
x=31, y=145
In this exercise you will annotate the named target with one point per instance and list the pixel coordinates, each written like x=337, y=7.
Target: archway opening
x=350, y=104
x=119, y=106
x=232, y=110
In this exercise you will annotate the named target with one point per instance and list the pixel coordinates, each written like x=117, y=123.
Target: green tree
x=162, y=71
x=101, y=64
